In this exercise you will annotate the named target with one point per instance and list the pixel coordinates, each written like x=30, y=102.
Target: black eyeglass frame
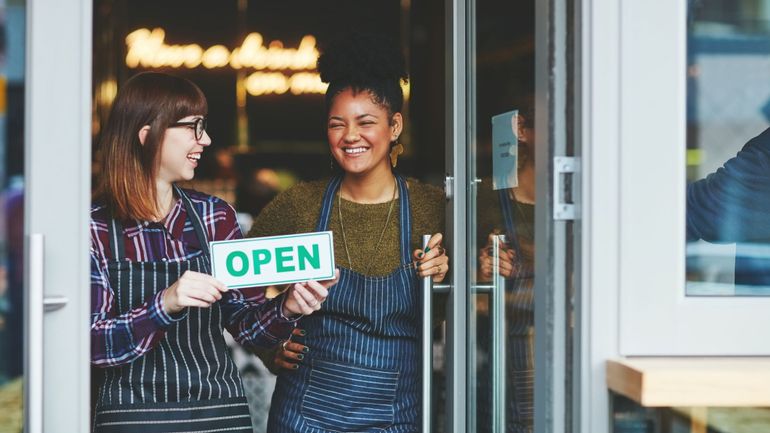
x=198, y=126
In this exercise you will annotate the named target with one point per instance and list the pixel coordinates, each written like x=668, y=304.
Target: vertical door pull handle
x=497, y=310
x=33, y=396
x=427, y=347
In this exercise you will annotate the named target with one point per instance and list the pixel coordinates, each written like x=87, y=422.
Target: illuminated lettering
x=148, y=49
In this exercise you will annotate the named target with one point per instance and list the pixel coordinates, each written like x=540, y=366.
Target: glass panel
x=501, y=217
x=12, y=31
x=728, y=103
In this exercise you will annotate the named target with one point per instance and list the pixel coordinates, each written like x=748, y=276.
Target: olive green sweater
x=490, y=220
x=296, y=211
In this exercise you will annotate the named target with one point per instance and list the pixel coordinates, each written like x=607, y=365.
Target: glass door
x=514, y=167
x=501, y=217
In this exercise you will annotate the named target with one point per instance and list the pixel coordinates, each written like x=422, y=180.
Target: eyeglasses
x=198, y=125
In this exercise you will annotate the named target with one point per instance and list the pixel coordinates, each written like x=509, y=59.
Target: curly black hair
x=365, y=62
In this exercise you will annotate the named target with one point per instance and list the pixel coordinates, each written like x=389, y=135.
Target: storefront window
x=728, y=105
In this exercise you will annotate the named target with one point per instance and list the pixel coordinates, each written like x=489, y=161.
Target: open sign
x=273, y=260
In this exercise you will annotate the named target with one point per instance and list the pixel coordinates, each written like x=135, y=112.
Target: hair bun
x=361, y=58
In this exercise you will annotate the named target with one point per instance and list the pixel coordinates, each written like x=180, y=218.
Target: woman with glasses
x=157, y=313
x=354, y=364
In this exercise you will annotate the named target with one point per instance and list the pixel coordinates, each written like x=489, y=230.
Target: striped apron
x=188, y=383
x=362, y=371
x=520, y=332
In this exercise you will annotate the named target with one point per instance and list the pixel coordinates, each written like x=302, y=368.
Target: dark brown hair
x=365, y=62
x=129, y=168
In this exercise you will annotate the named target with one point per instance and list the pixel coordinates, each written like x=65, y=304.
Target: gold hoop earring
x=395, y=150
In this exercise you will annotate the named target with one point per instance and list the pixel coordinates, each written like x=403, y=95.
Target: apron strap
x=405, y=220
x=327, y=204
x=195, y=219
x=506, y=207
x=117, y=243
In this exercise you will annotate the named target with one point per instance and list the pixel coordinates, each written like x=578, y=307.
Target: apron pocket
x=348, y=398
x=230, y=414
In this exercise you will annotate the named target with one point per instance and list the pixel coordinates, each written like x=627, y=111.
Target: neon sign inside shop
x=278, y=69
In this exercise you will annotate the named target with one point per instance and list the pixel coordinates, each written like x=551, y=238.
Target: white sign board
x=505, y=150
x=273, y=260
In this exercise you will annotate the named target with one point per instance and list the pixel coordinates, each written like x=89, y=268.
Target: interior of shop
x=266, y=116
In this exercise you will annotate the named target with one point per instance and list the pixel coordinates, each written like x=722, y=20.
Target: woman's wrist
x=169, y=307
x=287, y=314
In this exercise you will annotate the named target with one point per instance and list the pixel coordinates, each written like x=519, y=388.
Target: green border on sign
x=328, y=234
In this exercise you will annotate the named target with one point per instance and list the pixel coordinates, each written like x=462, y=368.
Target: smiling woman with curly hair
x=354, y=367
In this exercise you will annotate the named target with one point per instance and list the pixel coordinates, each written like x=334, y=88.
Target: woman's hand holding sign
x=195, y=289
x=192, y=289
x=306, y=298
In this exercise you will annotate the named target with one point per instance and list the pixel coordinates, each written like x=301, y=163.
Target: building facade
x=566, y=132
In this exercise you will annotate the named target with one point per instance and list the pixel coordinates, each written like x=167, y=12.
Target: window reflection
x=502, y=219
x=507, y=217
x=728, y=170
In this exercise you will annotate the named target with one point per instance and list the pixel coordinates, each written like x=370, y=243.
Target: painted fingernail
x=302, y=332
x=295, y=367
x=300, y=357
x=420, y=255
x=305, y=349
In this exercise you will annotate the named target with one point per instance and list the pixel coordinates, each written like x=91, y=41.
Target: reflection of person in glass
x=356, y=368
x=510, y=212
x=157, y=315
x=731, y=206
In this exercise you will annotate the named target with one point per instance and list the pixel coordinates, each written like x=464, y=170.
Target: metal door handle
x=37, y=305
x=481, y=288
x=442, y=288
x=497, y=310
x=496, y=292
x=427, y=348
x=426, y=295
x=33, y=398
x=53, y=303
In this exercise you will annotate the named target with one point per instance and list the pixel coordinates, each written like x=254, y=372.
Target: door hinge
x=564, y=168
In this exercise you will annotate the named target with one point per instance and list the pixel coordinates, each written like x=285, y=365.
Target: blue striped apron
x=188, y=382
x=520, y=331
x=362, y=371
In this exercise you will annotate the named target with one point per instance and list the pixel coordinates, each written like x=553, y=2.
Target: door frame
x=555, y=263
x=456, y=30
x=57, y=202
x=551, y=273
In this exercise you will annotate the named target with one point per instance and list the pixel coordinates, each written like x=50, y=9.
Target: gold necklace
x=377, y=245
